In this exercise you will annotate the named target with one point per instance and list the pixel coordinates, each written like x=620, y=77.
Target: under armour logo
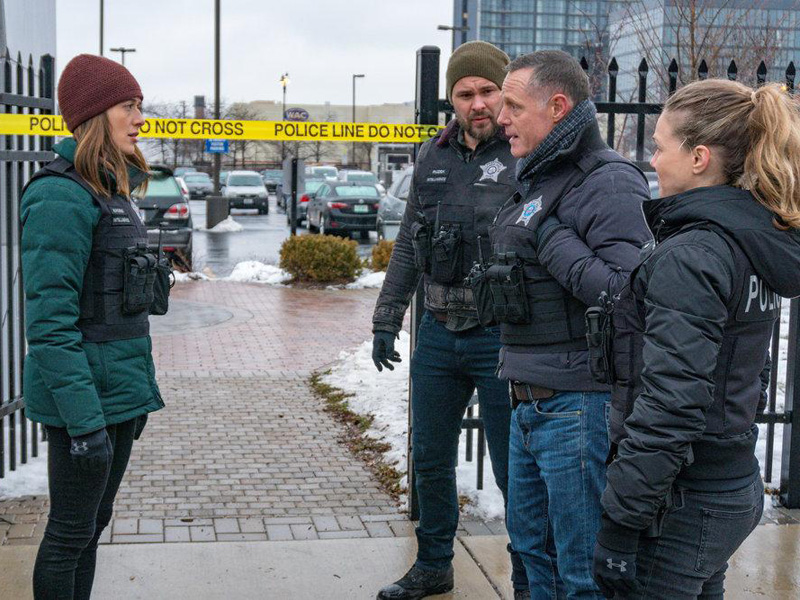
x=80, y=447
x=620, y=565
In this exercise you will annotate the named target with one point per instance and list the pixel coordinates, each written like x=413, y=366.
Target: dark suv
x=167, y=217
x=199, y=184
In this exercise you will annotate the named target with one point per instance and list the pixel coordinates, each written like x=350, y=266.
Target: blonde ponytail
x=758, y=133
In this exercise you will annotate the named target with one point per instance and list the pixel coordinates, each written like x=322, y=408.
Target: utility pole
x=355, y=76
x=217, y=156
x=284, y=81
x=102, y=20
x=122, y=51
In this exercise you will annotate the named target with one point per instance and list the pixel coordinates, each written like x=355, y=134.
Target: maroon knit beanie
x=91, y=85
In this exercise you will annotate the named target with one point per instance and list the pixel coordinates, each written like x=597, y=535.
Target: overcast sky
x=321, y=43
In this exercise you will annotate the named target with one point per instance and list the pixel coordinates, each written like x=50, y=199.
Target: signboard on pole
x=217, y=146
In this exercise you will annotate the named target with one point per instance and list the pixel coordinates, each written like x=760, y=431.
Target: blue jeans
x=699, y=533
x=558, y=449
x=445, y=370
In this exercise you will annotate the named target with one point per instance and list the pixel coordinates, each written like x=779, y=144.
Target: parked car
x=245, y=189
x=272, y=177
x=302, y=203
x=223, y=178
x=393, y=205
x=181, y=171
x=184, y=189
x=328, y=172
x=363, y=177
x=342, y=208
x=167, y=216
x=199, y=184
x=283, y=199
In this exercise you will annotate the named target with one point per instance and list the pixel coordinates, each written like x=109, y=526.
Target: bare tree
x=714, y=31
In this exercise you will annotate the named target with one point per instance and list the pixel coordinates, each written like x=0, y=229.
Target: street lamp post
x=355, y=76
x=284, y=81
x=453, y=29
x=122, y=51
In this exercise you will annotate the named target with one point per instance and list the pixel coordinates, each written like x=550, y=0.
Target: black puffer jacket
x=708, y=298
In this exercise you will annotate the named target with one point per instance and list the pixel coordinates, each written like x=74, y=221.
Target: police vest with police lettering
x=459, y=199
x=119, y=232
x=752, y=311
x=554, y=317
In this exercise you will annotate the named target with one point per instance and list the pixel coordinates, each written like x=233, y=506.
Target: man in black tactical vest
x=461, y=178
x=572, y=231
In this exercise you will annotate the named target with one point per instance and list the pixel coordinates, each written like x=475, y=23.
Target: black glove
x=138, y=428
x=92, y=452
x=614, y=569
x=383, y=350
x=546, y=230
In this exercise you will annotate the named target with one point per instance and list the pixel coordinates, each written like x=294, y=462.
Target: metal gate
x=26, y=87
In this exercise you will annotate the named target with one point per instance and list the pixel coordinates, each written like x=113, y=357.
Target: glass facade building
x=579, y=27
x=746, y=31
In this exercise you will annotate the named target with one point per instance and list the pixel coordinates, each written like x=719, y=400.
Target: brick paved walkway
x=242, y=450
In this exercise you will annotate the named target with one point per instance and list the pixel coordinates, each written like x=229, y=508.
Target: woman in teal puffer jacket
x=89, y=373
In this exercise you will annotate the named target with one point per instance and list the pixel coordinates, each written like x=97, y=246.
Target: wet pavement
x=260, y=240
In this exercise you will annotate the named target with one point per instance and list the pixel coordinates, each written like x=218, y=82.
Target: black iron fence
x=26, y=87
x=428, y=109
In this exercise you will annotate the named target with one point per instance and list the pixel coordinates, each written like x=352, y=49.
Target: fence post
x=613, y=71
x=426, y=111
x=733, y=71
x=643, y=70
x=790, y=457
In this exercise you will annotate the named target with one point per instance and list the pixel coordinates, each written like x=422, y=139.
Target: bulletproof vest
x=752, y=312
x=552, y=319
x=118, y=234
x=459, y=199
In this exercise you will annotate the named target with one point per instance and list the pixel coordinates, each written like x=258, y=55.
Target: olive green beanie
x=478, y=59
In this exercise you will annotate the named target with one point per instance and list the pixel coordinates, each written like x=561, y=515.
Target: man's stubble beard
x=479, y=135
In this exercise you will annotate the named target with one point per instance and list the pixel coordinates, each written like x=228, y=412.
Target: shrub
x=320, y=258
x=381, y=253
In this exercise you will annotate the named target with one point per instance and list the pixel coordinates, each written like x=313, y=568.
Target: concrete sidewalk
x=352, y=569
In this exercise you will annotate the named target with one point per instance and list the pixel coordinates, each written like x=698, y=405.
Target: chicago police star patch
x=530, y=209
x=492, y=170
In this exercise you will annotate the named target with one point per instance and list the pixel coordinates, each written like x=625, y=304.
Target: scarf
x=557, y=141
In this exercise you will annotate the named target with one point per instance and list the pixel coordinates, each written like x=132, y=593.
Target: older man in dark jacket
x=572, y=232
x=461, y=178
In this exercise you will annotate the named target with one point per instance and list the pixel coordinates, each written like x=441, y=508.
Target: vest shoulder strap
x=60, y=167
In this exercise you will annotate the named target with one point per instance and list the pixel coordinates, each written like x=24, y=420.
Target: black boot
x=418, y=583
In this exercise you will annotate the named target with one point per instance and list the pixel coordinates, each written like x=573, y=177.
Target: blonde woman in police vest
x=684, y=489
x=89, y=375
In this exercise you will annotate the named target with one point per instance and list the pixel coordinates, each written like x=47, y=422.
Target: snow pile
x=29, y=479
x=252, y=271
x=227, y=226
x=193, y=276
x=385, y=396
x=369, y=279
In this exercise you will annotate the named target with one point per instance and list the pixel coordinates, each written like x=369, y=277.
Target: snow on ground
x=227, y=226
x=252, y=271
x=193, y=276
x=29, y=479
x=370, y=279
x=385, y=396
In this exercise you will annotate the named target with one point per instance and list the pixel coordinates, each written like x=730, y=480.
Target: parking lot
x=260, y=239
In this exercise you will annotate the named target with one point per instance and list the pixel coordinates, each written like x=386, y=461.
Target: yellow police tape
x=281, y=131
